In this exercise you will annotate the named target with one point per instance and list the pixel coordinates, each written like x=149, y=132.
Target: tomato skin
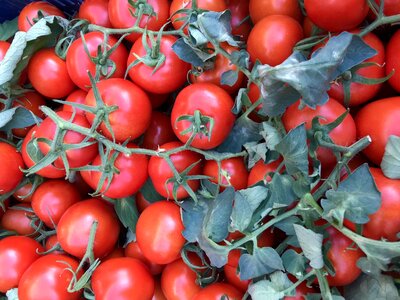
x=11, y=163
x=133, y=115
x=239, y=10
x=158, y=293
x=159, y=232
x=336, y=15
x=16, y=218
x=161, y=81
x=52, y=198
x=78, y=96
x=231, y=271
x=51, y=242
x=4, y=46
x=132, y=175
x=78, y=62
x=159, y=132
x=21, y=193
x=391, y=7
x=379, y=126
x=215, y=291
x=141, y=202
x=262, y=8
x=48, y=277
x=392, y=61
x=211, y=101
x=73, y=229
x=133, y=250
x=123, y=278
x=260, y=171
x=30, y=12
x=17, y=253
x=120, y=16
x=272, y=39
x=160, y=171
x=95, y=11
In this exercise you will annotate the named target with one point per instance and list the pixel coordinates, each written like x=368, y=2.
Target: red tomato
x=160, y=172
x=159, y=232
x=141, y=202
x=120, y=12
x=77, y=96
x=52, y=198
x=232, y=273
x=123, y=278
x=310, y=29
x=74, y=227
x=157, y=99
x=392, y=61
x=301, y=291
x=233, y=172
x=158, y=293
x=159, y=132
x=272, y=39
x=212, y=101
x=262, y=8
x=22, y=193
x=133, y=115
x=4, y=46
x=79, y=63
x=391, y=7
x=130, y=178
x=11, y=165
x=29, y=13
x=260, y=171
x=379, y=120
x=241, y=25
x=51, y=242
x=217, y=290
x=16, y=218
x=158, y=81
x=116, y=253
x=95, y=11
x=336, y=15
x=133, y=250
x=49, y=278
x=17, y=253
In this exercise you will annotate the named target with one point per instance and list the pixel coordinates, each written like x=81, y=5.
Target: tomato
x=158, y=81
x=265, y=239
x=159, y=132
x=52, y=198
x=29, y=13
x=392, y=61
x=132, y=174
x=217, y=290
x=178, y=281
x=51, y=242
x=76, y=157
x=95, y=11
x=233, y=172
x=240, y=23
x=120, y=12
x=74, y=227
x=262, y=8
x=272, y=39
x=78, y=97
x=344, y=134
x=260, y=171
x=157, y=99
x=133, y=115
x=379, y=126
x=336, y=15
x=49, y=278
x=232, y=273
x=141, y=202
x=391, y=7
x=213, y=73
x=4, y=46
x=133, y=250
x=116, y=253
x=310, y=29
x=213, y=102
x=48, y=74
x=301, y=292
x=159, y=232
x=17, y=219
x=11, y=165
x=79, y=63
x=22, y=194
x=158, y=293
x=160, y=172
x=123, y=278
x=17, y=253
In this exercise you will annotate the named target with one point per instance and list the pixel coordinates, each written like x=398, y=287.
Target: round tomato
x=159, y=132
x=117, y=252
x=141, y=202
x=17, y=218
x=392, y=61
x=79, y=63
x=218, y=290
x=17, y=253
x=232, y=273
x=132, y=117
x=272, y=39
x=133, y=250
x=158, y=293
x=24, y=194
x=95, y=11
x=158, y=99
x=29, y=13
x=4, y=46
x=132, y=174
x=52, y=242
x=74, y=227
x=123, y=278
x=240, y=22
x=391, y=7
x=262, y=8
x=78, y=97
x=159, y=232
x=11, y=165
x=260, y=171
x=48, y=277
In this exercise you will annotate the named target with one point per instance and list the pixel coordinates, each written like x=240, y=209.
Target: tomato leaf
x=192, y=216
x=149, y=192
x=8, y=29
x=187, y=53
x=372, y=288
x=281, y=191
x=271, y=289
x=311, y=244
x=127, y=212
x=229, y=77
x=263, y=261
x=355, y=198
x=286, y=225
x=17, y=117
x=217, y=254
x=294, y=262
x=391, y=160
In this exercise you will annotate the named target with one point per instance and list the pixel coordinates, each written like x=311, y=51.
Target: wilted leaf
x=391, y=160
x=271, y=289
x=372, y=288
x=17, y=117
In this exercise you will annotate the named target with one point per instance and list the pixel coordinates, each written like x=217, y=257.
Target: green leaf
x=294, y=263
x=311, y=244
x=149, y=192
x=281, y=191
x=217, y=254
x=229, y=77
x=372, y=288
x=186, y=53
x=241, y=58
x=127, y=212
x=271, y=289
x=263, y=261
x=192, y=216
x=355, y=198
x=17, y=117
x=286, y=225
x=391, y=159
x=12, y=57
x=8, y=29
x=271, y=135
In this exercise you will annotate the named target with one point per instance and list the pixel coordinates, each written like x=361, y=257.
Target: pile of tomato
x=141, y=155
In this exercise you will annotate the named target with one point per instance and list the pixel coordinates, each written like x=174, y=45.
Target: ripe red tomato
x=95, y=11
x=232, y=273
x=74, y=227
x=218, y=290
x=159, y=232
x=158, y=293
x=379, y=120
x=260, y=171
x=51, y=242
x=133, y=115
x=77, y=96
x=11, y=165
x=272, y=39
x=392, y=61
x=133, y=250
x=30, y=12
x=117, y=252
x=159, y=132
x=212, y=101
x=158, y=81
x=336, y=15
x=17, y=253
x=52, y=198
x=49, y=278
x=120, y=12
x=391, y=7
x=301, y=291
x=158, y=99
x=262, y=8
x=79, y=63
x=160, y=172
x=4, y=46
x=141, y=202
x=123, y=278
x=240, y=23
x=16, y=218
x=22, y=193
x=130, y=178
